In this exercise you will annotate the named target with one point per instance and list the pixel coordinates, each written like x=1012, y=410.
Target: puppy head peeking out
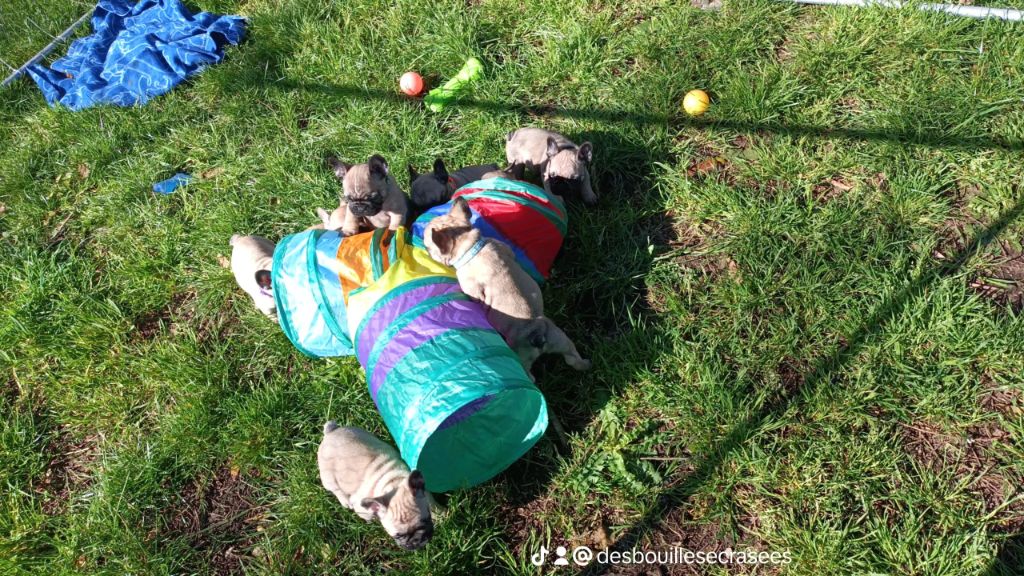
x=448, y=236
x=365, y=186
x=566, y=172
x=430, y=188
x=405, y=512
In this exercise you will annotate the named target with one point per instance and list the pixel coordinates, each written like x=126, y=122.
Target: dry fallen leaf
x=841, y=185
x=223, y=261
x=211, y=173
x=83, y=170
x=705, y=166
x=3, y=209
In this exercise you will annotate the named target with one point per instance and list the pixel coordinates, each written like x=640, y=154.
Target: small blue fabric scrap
x=136, y=51
x=172, y=183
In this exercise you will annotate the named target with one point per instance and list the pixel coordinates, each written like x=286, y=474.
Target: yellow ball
x=696, y=102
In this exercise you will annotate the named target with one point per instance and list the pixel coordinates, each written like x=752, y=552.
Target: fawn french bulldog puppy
x=561, y=163
x=368, y=476
x=371, y=197
x=488, y=272
x=251, y=259
x=436, y=187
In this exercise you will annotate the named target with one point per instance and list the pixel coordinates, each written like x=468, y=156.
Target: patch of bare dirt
x=68, y=471
x=878, y=181
x=679, y=530
x=176, y=317
x=689, y=245
x=219, y=515
x=150, y=324
x=784, y=49
x=1001, y=400
x=695, y=242
x=849, y=104
x=971, y=461
x=530, y=518
x=792, y=373
x=1001, y=276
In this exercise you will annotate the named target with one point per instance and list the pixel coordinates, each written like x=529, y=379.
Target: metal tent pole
x=42, y=53
x=979, y=12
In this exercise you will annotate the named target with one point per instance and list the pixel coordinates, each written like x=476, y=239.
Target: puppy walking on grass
x=488, y=272
x=562, y=164
x=368, y=477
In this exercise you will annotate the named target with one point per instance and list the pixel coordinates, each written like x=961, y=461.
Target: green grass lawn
x=802, y=308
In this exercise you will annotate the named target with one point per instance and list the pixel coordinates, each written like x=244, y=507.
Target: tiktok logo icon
x=538, y=559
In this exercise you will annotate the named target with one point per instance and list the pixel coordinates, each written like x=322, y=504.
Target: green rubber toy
x=439, y=98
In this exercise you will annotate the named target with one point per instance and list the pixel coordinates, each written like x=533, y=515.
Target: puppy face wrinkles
x=407, y=516
x=365, y=190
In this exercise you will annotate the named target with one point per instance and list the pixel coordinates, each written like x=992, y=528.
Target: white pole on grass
x=42, y=53
x=979, y=12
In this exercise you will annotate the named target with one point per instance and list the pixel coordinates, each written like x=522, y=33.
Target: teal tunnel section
x=310, y=304
x=454, y=396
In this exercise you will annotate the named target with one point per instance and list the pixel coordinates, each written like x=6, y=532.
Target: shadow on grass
x=1010, y=559
x=935, y=140
x=592, y=302
x=704, y=468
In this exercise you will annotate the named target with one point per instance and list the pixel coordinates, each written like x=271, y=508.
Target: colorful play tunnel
x=453, y=394
x=530, y=221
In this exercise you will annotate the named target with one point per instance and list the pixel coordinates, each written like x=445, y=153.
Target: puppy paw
x=582, y=365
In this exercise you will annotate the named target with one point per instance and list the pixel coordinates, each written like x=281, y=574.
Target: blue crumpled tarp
x=137, y=51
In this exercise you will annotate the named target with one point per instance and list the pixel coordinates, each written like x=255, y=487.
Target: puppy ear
x=442, y=240
x=552, y=147
x=339, y=167
x=375, y=505
x=440, y=170
x=460, y=210
x=586, y=152
x=412, y=174
x=416, y=482
x=378, y=166
x=263, y=279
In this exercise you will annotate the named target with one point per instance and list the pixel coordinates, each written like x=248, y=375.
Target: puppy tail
x=234, y=238
x=325, y=217
x=331, y=426
x=508, y=137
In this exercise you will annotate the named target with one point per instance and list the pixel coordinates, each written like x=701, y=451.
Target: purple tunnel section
x=387, y=312
x=451, y=315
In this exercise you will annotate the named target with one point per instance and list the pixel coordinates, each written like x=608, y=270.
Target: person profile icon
x=561, y=561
